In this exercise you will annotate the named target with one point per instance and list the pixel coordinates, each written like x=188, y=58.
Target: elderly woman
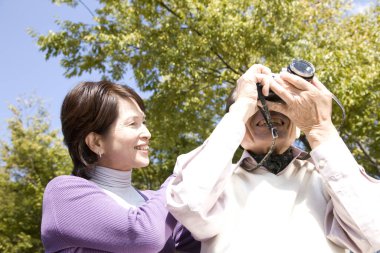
x=96, y=209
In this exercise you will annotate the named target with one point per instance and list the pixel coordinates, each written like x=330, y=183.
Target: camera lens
x=302, y=68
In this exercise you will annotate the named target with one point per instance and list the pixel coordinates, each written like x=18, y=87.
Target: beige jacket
x=327, y=204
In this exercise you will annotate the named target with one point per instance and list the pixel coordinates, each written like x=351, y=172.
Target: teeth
x=142, y=147
x=276, y=122
x=261, y=123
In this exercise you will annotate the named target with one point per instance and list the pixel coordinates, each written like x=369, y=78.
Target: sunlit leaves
x=188, y=55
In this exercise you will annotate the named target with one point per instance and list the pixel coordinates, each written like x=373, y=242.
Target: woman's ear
x=93, y=141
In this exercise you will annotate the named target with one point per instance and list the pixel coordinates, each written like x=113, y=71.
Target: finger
x=277, y=107
x=318, y=84
x=296, y=81
x=278, y=79
x=282, y=92
x=247, y=77
x=253, y=78
x=266, y=83
x=258, y=68
x=287, y=86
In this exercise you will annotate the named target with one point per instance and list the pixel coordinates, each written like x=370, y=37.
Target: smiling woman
x=99, y=120
x=97, y=208
x=126, y=143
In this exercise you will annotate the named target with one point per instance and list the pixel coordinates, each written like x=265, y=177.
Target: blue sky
x=23, y=68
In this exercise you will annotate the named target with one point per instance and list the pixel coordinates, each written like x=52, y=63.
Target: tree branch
x=88, y=9
x=212, y=48
x=369, y=157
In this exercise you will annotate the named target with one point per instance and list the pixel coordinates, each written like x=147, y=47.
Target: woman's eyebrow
x=134, y=117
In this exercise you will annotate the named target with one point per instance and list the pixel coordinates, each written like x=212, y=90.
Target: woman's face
x=126, y=144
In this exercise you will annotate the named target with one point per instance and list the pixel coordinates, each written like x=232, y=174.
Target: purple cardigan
x=77, y=216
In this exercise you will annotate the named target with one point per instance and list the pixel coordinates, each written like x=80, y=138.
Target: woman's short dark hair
x=91, y=107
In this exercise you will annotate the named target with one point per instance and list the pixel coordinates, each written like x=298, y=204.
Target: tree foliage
x=32, y=157
x=188, y=54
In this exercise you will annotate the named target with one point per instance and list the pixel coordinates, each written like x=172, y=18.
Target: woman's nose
x=145, y=133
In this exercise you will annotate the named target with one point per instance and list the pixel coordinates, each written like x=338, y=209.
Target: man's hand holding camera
x=246, y=92
x=307, y=104
x=305, y=101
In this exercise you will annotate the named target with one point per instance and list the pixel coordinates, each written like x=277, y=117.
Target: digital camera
x=297, y=67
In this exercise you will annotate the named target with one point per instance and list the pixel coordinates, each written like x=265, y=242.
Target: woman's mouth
x=142, y=147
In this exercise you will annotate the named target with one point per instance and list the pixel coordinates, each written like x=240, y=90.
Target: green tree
x=32, y=157
x=188, y=55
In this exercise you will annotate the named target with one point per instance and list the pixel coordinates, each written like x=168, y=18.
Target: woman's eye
x=135, y=123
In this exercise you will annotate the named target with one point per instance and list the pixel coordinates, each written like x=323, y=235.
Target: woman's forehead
x=128, y=106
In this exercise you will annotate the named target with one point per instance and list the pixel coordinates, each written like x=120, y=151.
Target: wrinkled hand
x=308, y=105
x=245, y=94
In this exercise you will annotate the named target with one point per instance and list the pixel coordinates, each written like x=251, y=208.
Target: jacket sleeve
x=195, y=195
x=352, y=217
x=184, y=241
x=76, y=213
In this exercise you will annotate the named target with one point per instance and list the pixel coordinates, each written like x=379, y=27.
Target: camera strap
x=265, y=111
x=268, y=119
x=343, y=111
x=266, y=114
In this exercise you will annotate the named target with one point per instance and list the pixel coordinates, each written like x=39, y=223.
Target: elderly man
x=323, y=204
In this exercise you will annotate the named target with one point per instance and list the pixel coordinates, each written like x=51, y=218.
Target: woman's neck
x=110, y=178
x=119, y=183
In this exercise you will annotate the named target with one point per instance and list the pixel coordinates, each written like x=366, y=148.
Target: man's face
x=258, y=137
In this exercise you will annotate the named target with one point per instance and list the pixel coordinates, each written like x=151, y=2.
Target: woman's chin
x=143, y=165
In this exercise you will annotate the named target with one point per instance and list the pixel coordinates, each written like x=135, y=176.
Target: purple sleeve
x=76, y=213
x=184, y=241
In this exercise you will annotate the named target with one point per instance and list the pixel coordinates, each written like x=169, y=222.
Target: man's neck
x=275, y=163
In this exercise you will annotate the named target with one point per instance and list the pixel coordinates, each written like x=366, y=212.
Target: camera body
x=297, y=67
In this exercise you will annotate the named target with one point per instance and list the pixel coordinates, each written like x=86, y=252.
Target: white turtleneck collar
x=118, y=185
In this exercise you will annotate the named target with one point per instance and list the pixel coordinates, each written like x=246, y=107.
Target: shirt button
x=322, y=164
